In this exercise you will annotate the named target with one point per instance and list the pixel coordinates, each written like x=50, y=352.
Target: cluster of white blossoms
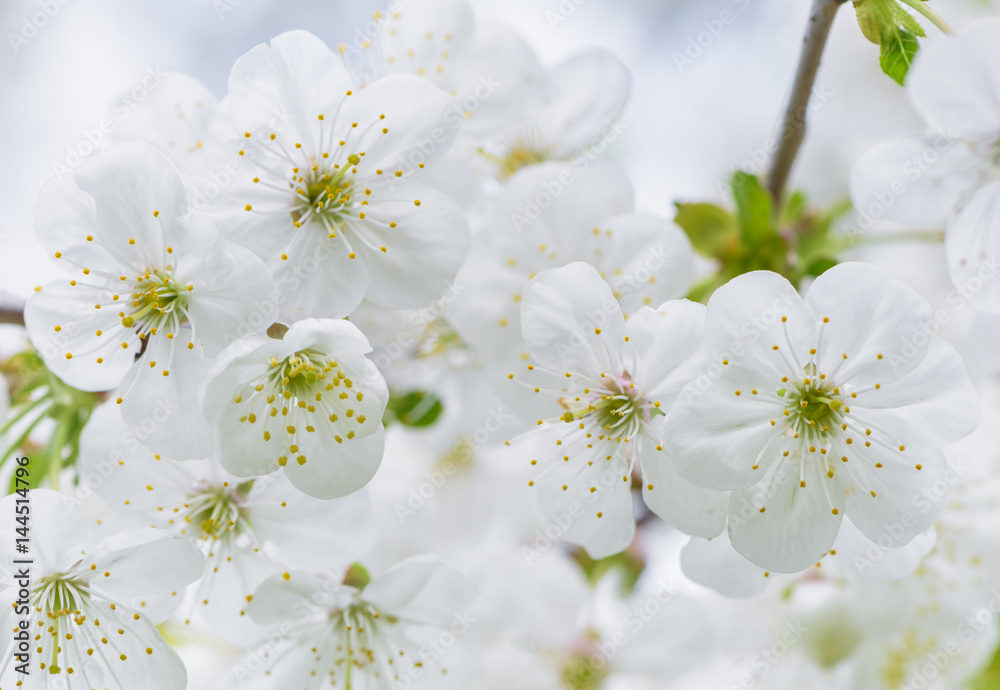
x=370, y=374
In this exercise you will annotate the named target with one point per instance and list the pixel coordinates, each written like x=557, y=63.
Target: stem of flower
x=932, y=16
x=793, y=126
x=934, y=236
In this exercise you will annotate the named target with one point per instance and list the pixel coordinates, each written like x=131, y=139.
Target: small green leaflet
x=895, y=30
x=896, y=55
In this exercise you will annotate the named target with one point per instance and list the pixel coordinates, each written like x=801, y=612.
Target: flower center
x=521, y=156
x=618, y=408
x=579, y=672
x=307, y=389
x=323, y=193
x=61, y=598
x=216, y=511
x=157, y=302
x=813, y=405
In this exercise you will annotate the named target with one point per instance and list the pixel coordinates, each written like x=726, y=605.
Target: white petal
x=553, y=208
x=333, y=470
x=691, y=509
x=57, y=531
x=715, y=564
x=650, y=260
x=973, y=244
x=797, y=526
x=881, y=559
x=233, y=294
x=422, y=589
x=716, y=436
x=178, y=116
x=130, y=182
x=570, y=320
x=143, y=563
x=162, y=406
x=284, y=86
x=588, y=92
x=299, y=526
x=915, y=180
x=431, y=38
x=594, y=509
x=935, y=404
x=905, y=503
x=319, y=279
x=955, y=83
x=71, y=309
x=667, y=348
x=872, y=320
x=416, y=129
x=422, y=253
x=744, y=322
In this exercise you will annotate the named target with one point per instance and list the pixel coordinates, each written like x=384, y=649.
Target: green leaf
x=414, y=408
x=896, y=54
x=710, y=228
x=895, y=30
x=820, y=266
x=753, y=205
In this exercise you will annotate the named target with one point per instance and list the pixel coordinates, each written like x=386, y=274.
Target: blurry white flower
x=951, y=174
x=569, y=109
x=612, y=380
x=248, y=529
x=838, y=402
x=180, y=116
x=378, y=635
x=154, y=291
x=328, y=201
x=84, y=595
x=548, y=216
x=310, y=404
x=489, y=68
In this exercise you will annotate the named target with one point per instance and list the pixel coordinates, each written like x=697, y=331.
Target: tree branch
x=793, y=125
x=11, y=310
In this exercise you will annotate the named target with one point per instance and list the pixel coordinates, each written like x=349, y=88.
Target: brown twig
x=793, y=126
x=14, y=316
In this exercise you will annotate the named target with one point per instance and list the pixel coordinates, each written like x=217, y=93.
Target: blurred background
x=697, y=112
x=691, y=120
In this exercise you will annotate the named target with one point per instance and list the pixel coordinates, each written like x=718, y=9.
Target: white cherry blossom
x=813, y=408
x=154, y=291
x=331, y=200
x=612, y=381
x=370, y=635
x=310, y=404
x=950, y=175
x=86, y=627
x=249, y=530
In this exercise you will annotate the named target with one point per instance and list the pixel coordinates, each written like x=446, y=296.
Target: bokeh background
x=690, y=120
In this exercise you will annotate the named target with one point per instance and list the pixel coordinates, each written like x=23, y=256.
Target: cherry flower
x=331, y=202
x=248, y=530
x=310, y=404
x=949, y=175
x=362, y=634
x=838, y=403
x=180, y=117
x=84, y=615
x=568, y=110
x=154, y=292
x=645, y=259
x=488, y=67
x=613, y=381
